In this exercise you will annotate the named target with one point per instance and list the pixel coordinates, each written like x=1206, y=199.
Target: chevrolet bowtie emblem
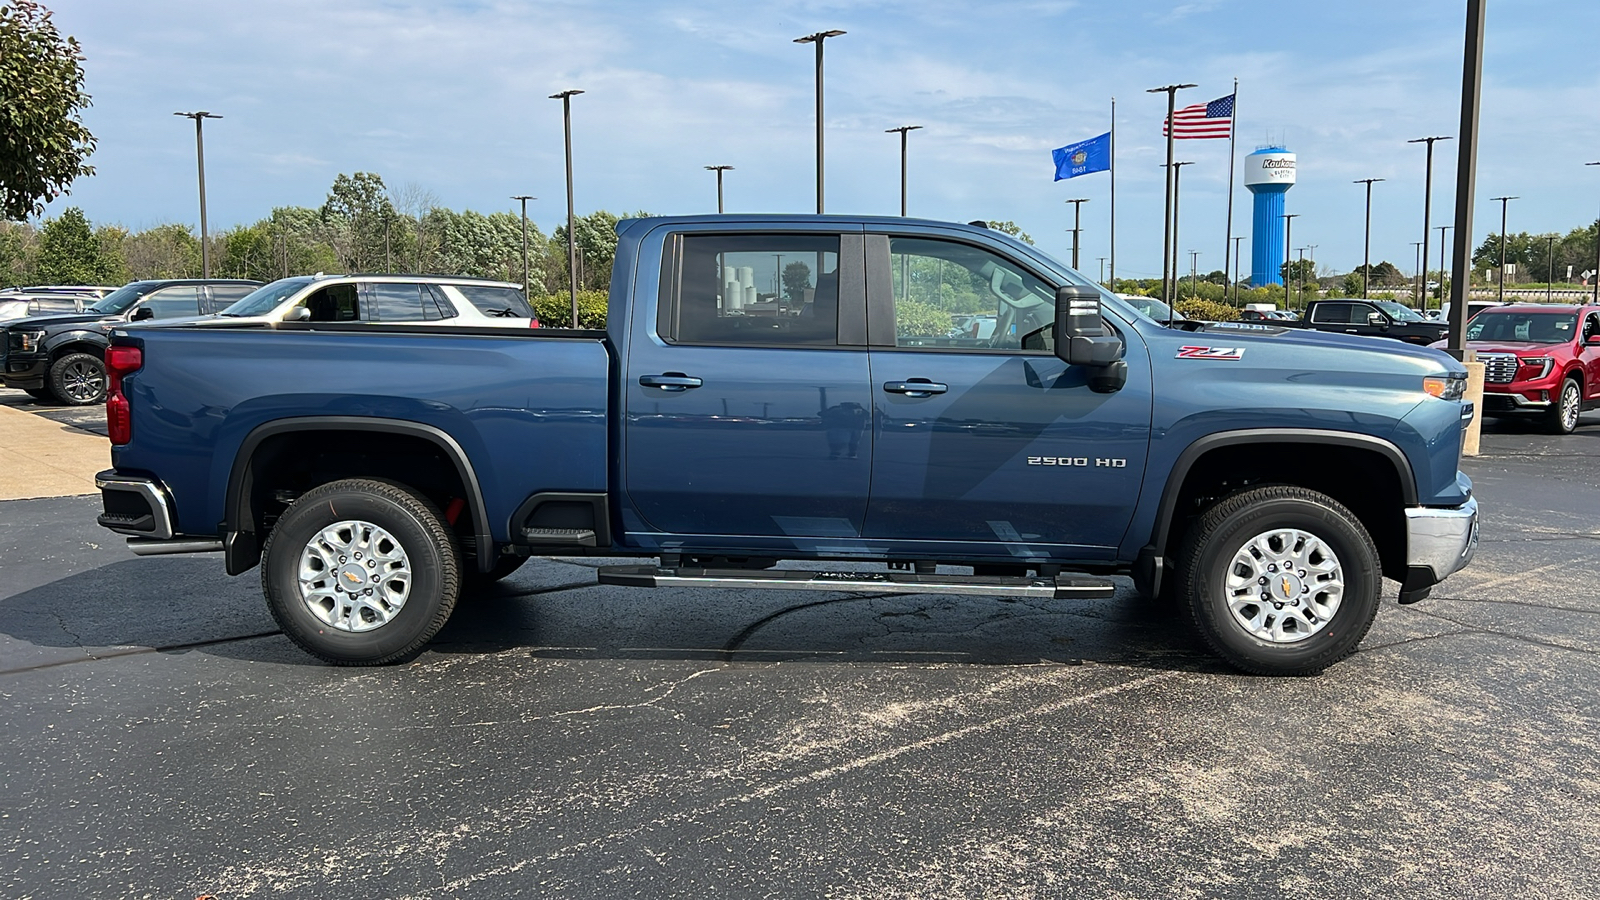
x=353, y=577
x=1286, y=587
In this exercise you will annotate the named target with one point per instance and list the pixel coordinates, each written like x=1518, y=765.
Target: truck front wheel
x=78, y=379
x=1280, y=580
x=361, y=572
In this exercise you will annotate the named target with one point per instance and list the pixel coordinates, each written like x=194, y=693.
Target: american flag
x=1203, y=120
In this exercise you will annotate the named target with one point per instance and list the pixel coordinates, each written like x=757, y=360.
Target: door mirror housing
x=1377, y=320
x=141, y=314
x=298, y=314
x=1081, y=338
x=1592, y=340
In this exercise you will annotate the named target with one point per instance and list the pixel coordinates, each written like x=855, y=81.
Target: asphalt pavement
x=563, y=739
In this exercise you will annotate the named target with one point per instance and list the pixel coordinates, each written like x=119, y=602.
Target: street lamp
x=1501, y=294
x=1366, y=253
x=1177, y=185
x=902, y=132
x=1595, y=281
x=1298, y=281
x=1549, y=265
x=572, y=220
x=719, y=170
x=1194, y=272
x=1443, y=231
x=1077, y=221
x=1288, y=239
x=1167, y=241
x=1236, y=242
x=1420, y=279
x=525, y=282
x=1102, y=269
x=818, y=39
x=200, y=158
x=1427, y=206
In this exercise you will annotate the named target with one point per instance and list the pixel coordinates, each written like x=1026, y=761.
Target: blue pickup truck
x=805, y=388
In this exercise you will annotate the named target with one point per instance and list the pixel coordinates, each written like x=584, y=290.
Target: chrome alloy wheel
x=1571, y=404
x=1284, y=586
x=83, y=382
x=354, y=576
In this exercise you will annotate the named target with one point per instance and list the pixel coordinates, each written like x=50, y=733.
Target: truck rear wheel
x=361, y=572
x=1280, y=580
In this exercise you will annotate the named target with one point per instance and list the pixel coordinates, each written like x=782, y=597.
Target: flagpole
x=1233, y=133
x=1112, y=285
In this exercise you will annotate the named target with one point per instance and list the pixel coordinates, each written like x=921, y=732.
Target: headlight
x=26, y=341
x=1445, y=387
x=1542, y=363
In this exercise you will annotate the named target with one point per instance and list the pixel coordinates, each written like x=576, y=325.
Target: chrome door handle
x=674, y=382
x=915, y=387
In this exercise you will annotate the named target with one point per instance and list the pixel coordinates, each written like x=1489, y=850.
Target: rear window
x=496, y=302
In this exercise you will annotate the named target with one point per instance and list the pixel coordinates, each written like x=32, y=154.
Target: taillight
x=120, y=361
x=533, y=323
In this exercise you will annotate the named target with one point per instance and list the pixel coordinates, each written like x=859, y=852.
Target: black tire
x=1207, y=560
x=78, y=379
x=503, y=567
x=43, y=394
x=1567, y=406
x=430, y=553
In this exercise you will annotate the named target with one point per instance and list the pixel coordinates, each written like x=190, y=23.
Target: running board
x=1060, y=587
x=565, y=537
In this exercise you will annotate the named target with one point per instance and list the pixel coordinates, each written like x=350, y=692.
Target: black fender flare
x=56, y=344
x=1147, y=570
x=242, y=549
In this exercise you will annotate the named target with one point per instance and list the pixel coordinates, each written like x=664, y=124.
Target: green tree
x=358, y=216
x=1299, y=271
x=165, y=251
x=796, y=278
x=1351, y=285
x=1013, y=229
x=69, y=252
x=18, y=245
x=43, y=141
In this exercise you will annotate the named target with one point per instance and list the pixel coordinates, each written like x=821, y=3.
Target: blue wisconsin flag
x=1084, y=157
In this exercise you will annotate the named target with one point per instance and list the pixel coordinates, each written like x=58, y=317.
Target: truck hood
x=36, y=322
x=1248, y=333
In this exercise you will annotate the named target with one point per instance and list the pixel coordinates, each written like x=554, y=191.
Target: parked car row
x=55, y=349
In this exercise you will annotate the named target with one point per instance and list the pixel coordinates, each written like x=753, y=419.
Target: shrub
x=914, y=318
x=555, y=310
x=1208, y=310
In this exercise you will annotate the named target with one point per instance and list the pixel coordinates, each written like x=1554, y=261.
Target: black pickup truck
x=1375, y=318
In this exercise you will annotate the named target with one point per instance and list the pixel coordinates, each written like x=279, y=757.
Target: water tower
x=1268, y=173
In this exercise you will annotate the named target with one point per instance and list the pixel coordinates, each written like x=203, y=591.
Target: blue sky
x=451, y=97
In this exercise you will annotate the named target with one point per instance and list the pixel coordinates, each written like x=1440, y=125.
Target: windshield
x=1152, y=308
x=1525, y=327
x=266, y=298
x=123, y=297
x=1398, y=312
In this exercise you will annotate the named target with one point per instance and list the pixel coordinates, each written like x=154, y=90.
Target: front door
x=746, y=408
x=979, y=439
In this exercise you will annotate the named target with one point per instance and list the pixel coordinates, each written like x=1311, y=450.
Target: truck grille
x=1498, y=368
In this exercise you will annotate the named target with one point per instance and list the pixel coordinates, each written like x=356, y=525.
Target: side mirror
x=298, y=314
x=1377, y=320
x=1081, y=338
x=1592, y=340
x=142, y=313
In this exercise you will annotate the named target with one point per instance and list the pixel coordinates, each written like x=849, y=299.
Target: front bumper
x=23, y=372
x=1512, y=402
x=1439, y=543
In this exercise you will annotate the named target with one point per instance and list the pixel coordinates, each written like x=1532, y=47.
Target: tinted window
x=172, y=302
x=777, y=290
x=441, y=303
x=957, y=296
x=335, y=303
x=123, y=297
x=1535, y=328
x=1334, y=314
x=1591, y=325
x=496, y=302
x=399, y=303
x=265, y=299
x=228, y=294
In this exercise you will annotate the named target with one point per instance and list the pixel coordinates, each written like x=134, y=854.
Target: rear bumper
x=134, y=505
x=1439, y=543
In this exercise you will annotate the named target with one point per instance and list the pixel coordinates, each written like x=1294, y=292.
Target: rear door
x=400, y=302
x=1590, y=356
x=173, y=302
x=981, y=438
x=746, y=401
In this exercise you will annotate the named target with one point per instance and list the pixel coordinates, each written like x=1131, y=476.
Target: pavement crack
x=1476, y=629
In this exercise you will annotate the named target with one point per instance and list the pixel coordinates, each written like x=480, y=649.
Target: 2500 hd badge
x=1080, y=461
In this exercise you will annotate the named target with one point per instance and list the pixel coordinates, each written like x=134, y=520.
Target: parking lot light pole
x=1237, y=239
x=572, y=238
x=1443, y=281
x=1171, y=91
x=1594, y=281
x=719, y=170
x=1501, y=293
x=902, y=132
x=1077, y=223
x=1288, y=232
x=200, y=158
x=1366, y=252
x=1417, y=283
x=1427, y=206
x=1549, y=265
x=818, y=38
x=525, y=282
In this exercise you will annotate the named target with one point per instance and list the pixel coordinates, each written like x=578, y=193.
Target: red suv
x=1538, y=360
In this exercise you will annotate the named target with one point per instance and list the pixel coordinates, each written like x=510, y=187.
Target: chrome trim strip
x=153, y=494
x=872, y=582
x=1442, y=540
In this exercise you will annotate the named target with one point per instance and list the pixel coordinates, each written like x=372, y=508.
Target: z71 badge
x=1210, y=353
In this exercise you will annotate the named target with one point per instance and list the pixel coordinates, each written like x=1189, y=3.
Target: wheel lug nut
x=1272, y=567
x=1261, y=580
x=1264, y=596
x=343, y=559
x=1302, y=573
x=372, y=562
x=358, y=556
x=1277, y=606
